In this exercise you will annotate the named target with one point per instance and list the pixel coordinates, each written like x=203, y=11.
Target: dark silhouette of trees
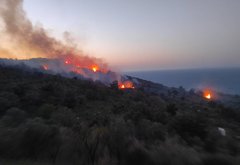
x=63, y=121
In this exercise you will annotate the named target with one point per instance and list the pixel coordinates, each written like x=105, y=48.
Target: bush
x=138, y=111
x=138, y=156
x=40, y=140
x=70, y=100
x=150, y=131
x=14, y=117
x=118, y=141
x=172, y=153
x=190, y=125
x=217, y=160
x=64, y=116
x=46, y=110
x=10, y=142
x=7, y=100
x=172, y=109
x=230, y=113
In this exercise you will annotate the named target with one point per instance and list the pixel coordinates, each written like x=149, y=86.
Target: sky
x=147, y=34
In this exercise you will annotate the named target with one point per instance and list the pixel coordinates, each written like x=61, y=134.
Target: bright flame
x=66, y=62
x=95, y=68
x=76, y=64
x=126, y=85
x=122, y=86
x=207, y=94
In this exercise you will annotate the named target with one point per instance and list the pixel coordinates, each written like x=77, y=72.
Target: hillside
x=66, y=121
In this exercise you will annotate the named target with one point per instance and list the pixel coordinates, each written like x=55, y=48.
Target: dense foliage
x=56, y=120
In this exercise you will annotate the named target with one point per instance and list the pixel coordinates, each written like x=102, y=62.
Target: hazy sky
x=147, y=34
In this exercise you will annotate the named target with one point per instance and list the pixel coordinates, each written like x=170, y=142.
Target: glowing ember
x=126, y=85
x=75, y=63
x=122, y=86
x=67, y=62
x=45, y=67
x=207, y=94
x=94, y=68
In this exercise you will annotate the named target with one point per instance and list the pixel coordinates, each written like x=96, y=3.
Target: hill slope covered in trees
x=56, y=120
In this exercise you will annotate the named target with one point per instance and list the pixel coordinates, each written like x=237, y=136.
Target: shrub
x=40, y=140
x=64, y=116
x=172, y=109
x=190, y=125
x=138, y=156
x=46, y=110
x=150, y=131
x=70, y=100
x=7, y=100
x=230, y=113
x=172, y=153
x=14, y=117
x=217, y=160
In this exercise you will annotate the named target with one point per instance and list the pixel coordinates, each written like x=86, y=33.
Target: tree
x=14, y=117
x=40, y=140
x=172, y=109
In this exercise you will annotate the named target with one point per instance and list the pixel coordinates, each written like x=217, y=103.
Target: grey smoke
x=30, y=39
x=20, y=29
x=56, y=66
x=20, y=37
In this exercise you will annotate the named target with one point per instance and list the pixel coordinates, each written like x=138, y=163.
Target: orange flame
x=95, y=68
x=122, y=86
x=75, y=63
x=207, y=94
x=126, y=85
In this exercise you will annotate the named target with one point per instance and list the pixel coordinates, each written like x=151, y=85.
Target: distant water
x=222, y=80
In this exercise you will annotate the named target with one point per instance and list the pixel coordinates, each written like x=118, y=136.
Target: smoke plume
x=31, y=45
x=20, y=38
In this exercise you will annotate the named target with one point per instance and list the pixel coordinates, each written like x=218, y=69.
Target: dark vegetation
x=55, y=120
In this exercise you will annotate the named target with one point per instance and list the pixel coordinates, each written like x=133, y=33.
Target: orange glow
x=77, y=63
x=126, y=85
x=122, y=86
x=95, y=68
x=207, y=94
x=45, y=67
x=67, y=62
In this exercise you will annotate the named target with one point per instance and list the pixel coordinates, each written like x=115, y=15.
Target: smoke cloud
x=20, y=38
x=31, y=45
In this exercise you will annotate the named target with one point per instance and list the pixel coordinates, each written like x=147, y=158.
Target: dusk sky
x=147, y=34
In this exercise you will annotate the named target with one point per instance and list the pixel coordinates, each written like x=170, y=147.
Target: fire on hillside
x=32, y=45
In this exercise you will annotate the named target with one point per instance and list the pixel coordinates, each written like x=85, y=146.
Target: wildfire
x=95, y=68
x=207, y=94
x=126, y=85
x=76, y=64
x=122, y=86
x=67, y=62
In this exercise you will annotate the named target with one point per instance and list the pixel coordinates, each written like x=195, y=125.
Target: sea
x=221, y=80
